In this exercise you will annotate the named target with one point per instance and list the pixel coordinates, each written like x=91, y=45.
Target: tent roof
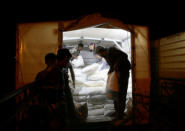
x=102, y=36
x=97, y=33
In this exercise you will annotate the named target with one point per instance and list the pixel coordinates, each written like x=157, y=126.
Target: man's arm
x=72, y=74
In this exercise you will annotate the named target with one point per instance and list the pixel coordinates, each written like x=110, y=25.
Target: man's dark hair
x=81, y=45
x=63, y=53
x=50, y=58
x=99, y=49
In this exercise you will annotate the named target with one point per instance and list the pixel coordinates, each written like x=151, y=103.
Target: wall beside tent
x=170, y=52
x=34, y=40
x=172, y=56
x=168, y=90
x=37, y=39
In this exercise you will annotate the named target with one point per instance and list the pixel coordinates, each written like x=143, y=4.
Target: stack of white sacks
x=90, y=88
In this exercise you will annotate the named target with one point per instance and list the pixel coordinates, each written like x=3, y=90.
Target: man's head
x=101, y=51
x=50, y=59
x=63, y=57
x=80, y=46
x=91, y=46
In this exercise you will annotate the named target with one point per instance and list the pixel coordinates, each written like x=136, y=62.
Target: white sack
x=92, y=91
x=98, y=102
x=94, y=83
x=95, y=117
x=80, y=98
x=109, y=102
x=78, y=72
x=129, y=95
x=96, y=112
x=90, y=105
x=108, y=112
x=78, y=62
x=77, y=90
x=129, y=90
x=98, y=75
x=95, y=107
x=71, y=88
x=79, y=84
x=109, y=106
x=90, y=69
x=95, y=77
x=80, y=80
x=97, y=98
x=100, y=118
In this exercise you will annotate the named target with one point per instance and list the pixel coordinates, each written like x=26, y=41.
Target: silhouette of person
x=119, y=63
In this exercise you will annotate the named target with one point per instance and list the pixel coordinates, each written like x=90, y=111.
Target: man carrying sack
x=118, y=75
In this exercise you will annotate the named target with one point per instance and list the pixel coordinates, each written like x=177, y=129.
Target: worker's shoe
x=118, y=120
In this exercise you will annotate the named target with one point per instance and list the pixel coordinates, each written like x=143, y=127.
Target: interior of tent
x=90, y=79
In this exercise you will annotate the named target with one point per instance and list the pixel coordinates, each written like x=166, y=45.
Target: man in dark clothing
x=118, y=62
x=59, y=77
x=76, y=54
x=50, y=61
x=42, y=80
x=60, y=91
x=89, y=56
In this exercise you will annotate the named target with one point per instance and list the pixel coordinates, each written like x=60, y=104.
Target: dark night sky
x=162, y=19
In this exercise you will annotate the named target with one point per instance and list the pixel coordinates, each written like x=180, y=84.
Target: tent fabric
x=37, y=39
x=141, y=90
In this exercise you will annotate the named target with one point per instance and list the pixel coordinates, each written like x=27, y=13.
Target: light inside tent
x=90, y=80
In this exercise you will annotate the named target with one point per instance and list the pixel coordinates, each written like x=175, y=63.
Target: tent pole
x=133, y=52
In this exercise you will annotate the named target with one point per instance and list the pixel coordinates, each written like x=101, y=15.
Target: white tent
x=34, y=40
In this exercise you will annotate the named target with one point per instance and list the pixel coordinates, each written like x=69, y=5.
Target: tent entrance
x=90, y=79
x=35, y=40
